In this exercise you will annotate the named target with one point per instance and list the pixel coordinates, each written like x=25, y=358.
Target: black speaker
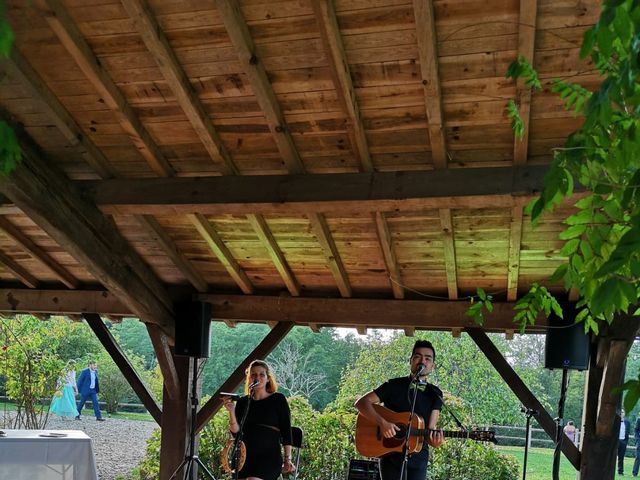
x=363, y=470
x=566, y=346
x=193, y=320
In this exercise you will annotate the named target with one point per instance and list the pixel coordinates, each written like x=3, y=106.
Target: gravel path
x=119, y=445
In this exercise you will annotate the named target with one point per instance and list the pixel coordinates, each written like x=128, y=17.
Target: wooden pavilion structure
x=293, y=162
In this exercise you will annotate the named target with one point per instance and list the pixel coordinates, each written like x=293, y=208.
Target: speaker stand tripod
x=191, y=460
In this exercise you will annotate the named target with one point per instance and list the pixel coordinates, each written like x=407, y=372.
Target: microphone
x=254, y=384
x=419, y=370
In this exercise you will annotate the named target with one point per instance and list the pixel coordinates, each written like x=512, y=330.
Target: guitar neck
x=424, y=432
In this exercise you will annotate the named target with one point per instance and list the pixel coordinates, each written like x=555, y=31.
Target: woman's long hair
x=272, y=385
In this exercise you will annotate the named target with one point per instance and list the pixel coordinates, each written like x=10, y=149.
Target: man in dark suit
x=89, y=387
x=623, y=439
x=636, y=463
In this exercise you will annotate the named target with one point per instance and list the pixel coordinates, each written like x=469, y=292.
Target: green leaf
x=6, y=38
x=632, y=396
x=517, y=124
x=572, y=232
x=559, y=274
x=570, y=247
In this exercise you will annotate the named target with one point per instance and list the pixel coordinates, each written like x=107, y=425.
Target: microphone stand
x=238, y=440
x=405, y=447
x=529, y=412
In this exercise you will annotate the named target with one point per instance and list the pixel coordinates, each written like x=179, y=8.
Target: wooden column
x=175, y=422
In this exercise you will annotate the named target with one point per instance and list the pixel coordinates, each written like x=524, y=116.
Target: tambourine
x=226, y=459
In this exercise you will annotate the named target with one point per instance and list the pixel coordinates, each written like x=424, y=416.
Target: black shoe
x=100, y=419
x=78, y=417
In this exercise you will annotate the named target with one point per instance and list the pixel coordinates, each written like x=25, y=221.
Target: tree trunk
x=601, y=418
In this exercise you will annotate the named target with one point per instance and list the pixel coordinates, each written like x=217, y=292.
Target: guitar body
x=371, y=443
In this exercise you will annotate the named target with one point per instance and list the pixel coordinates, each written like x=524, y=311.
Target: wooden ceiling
x=261, y=152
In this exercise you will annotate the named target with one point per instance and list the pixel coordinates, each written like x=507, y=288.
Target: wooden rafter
x=72, y=39
x=409, y=331
x=515, y=237
x=389, y=254
x=61, y=302
x=330, y=33
x=18, y=271
x=220, y=250
x=164, y=354
x=428, y=54
x=325, y=239
x=20, y=69
x=153, y=228
x=522, y=392
x=353, y=312
x=264, y=348
x=448, y=243
x=36, y=252
x=47, y=197
x=336, y=193
x=526, y=48
x=123, y=363
x=238, y=32
x=159, y=47
x=277, y=257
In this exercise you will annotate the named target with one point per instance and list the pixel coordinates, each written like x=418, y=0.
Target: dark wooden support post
x=121, y=360
x=160, y=343
x=263, y=349
x=601, y=419
x=175, y=421
x=525, y=395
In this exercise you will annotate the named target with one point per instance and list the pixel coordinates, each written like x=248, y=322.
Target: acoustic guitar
x=371, y=443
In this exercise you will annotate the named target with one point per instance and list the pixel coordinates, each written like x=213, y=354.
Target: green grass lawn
x=88, y=410
x=540, y=463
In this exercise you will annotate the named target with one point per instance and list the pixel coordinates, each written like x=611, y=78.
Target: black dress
x=268, y=425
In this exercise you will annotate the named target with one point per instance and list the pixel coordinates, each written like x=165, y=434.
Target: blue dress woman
x=64, y=400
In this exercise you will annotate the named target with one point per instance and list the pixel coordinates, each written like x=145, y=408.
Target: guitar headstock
x=483, y=435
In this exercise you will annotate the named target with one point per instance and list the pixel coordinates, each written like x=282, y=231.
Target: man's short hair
x=423, y=344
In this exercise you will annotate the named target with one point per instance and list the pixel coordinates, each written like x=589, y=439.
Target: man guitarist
x=397, y=395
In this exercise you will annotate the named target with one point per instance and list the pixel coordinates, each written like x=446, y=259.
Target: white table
x=25, y=455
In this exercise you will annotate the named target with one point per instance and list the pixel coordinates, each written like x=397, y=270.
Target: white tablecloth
x=25, y=455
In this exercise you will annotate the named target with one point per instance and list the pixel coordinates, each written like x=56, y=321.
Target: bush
x=466, y=459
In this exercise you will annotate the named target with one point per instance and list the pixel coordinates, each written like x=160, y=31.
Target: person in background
x=64, y=400
x=636, y=435
x=623, y=439
x=89, y=387
x=266, y=427
x=570, y=431
x=396, y=394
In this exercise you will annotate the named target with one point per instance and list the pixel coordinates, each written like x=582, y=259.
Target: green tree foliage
x=31, y=362
x=603, y=237
x=133, y=337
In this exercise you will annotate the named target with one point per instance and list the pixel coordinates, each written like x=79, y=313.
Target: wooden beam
x=229, y=323
x=19, y=69
x=36, y=252
x=315, y=328
x=612, y=377
x=155, y=231
x=299, y=194
x=118, y=356
x=509, y=334
x=448, y=243
x=325, y=15
x=522, y=392
x=220, y=250
x=73, y=40
x=236, y=26
x=456, y=332
x=428, y=55
x=49, y=200
x=515, y=238
x=409, y=331
x=264, y=348
x=361, y=329
x=389, y=254
x=18, y=271
x=351, y=312
x=267, y=239
x=177, y=80
x=172, y=383
x=325, y=239
x=526, y=49
x=61, y=302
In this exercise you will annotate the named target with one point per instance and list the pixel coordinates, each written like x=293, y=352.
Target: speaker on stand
x=568, y=347
x=193, y=320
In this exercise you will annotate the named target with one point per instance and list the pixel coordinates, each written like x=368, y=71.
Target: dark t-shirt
x=397, y=395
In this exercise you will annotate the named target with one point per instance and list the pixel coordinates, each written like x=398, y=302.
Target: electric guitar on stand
x=371, y=443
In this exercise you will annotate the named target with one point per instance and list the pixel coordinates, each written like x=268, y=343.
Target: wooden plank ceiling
x=365, y=144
